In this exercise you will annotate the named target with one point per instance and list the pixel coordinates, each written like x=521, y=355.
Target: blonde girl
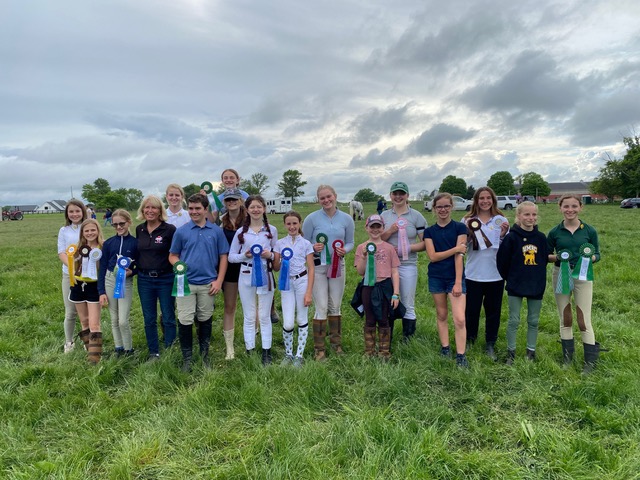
x=522, y=262
x=256, y=231
x=123, y=244
x=176, y=214
x=74, y=214
x=298, y=297
x=446, y=244
x=84, y=293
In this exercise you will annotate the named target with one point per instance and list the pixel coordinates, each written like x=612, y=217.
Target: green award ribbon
x=180, y=286
x=213, y=198
x=564, y=285
x=325, y=255
x=584, y=268
x=370, y=270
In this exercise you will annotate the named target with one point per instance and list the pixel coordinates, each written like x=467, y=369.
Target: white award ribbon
x=90, y=264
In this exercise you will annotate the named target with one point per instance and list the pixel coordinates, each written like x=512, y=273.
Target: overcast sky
x=351, y=93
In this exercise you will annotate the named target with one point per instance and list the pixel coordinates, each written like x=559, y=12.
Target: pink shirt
x=386, y=259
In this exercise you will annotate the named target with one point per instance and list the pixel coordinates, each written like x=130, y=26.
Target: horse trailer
x=279, y=205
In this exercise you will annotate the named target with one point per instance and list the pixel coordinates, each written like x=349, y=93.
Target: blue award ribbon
x=283, y=283
x=256, y=272
x=121, y=274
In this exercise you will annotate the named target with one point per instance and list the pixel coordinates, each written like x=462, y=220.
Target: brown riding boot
x=335, y=333
x=84, y=336
x=95, y=348
x=319, y=334
x=384, y=340
x=370, y=341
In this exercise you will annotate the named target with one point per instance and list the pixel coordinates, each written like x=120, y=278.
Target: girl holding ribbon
x=74, y=214
x=296, y=286
x=405, y=229
x=231, y=221
x=252, y=247
x=84, y=287
x=231, y=181
x=176, y=214
x=446, y=244
x=331, y=232
x=115, y=280
x=377, y=262
x=155, y=273
x=522, y=263
x=486, y=226
x=576, y=248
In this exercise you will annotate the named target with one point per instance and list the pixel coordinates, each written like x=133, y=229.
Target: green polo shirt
x=559, y=238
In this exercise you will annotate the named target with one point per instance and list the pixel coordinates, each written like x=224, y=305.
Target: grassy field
x=415, y=417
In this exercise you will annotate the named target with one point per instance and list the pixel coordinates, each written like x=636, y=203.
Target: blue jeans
x=152, y=290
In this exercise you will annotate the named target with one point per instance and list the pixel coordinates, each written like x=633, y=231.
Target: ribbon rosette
x=213, y=198
x=71, y=252
x=370, y=270
x=180, y=286
x=584, y=268
x=479, y=238
x=325, y=255
x=121, y=275
x=334, y=271
x=284, y=283
x=403, y=239
x=564, y=285
x=257, y=279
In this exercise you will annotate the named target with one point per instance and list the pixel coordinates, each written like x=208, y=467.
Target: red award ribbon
x=335, y=271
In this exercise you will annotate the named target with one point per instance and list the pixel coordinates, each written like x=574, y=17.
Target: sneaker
x=287, y=360
x=511, y=357
x=445, y=351
x=153, y=357
x=297, y=362
x=68, y=347
x=531, y=354
x=119, y=351
x=461, y=360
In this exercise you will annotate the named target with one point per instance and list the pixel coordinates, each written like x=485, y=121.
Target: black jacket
x=522, y=261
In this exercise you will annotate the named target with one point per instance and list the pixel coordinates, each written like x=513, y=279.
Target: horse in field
x=356, y=210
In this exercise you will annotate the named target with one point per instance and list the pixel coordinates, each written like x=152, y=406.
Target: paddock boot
x=568, y=348
x=185, y=334
x=392, y=324
x=319, y=334
x=335, y=334
x=408, y=329
x=95, y=348
x=266, y=357
x=204, y=339
x=228, y=340
x=591, y=356
x=84, y=336
x=511, y=357
x=370, y=341
x=384, y=336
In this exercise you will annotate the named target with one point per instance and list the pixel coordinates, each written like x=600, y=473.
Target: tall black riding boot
x=568, y=347
x=591, y=356
x=204, y=339
x=408, y=329
x=185, y=332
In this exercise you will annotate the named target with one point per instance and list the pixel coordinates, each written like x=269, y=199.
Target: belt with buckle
x=300, y=275
x=154, y=273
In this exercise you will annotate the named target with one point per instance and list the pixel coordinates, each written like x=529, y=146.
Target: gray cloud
x=438, y=139
x=377, y=157
x=372, y=125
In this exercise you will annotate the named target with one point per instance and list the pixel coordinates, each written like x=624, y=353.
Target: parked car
x=459, y=203
x=529, y=198
x=507, y=202
x=630, y=203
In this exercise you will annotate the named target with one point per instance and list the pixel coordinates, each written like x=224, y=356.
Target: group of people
x=224, y=243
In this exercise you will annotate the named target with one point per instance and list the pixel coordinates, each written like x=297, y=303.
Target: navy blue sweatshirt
x=522, y=261
x=126, y=246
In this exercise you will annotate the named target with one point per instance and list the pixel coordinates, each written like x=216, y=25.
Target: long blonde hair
x=77, y=258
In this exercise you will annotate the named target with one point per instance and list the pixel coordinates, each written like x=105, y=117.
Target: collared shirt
x=559, y=238
x=153, y=248
x=415, y=229
x=200, y=248
x=338, y=227
x=68, y=235
x=178, y=219
x=126, y=246
x=301, y=248
x=237, y=250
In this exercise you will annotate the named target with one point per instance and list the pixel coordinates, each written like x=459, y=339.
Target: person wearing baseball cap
x=404, y=230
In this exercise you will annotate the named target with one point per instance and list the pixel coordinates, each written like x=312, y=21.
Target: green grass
x=416, y=417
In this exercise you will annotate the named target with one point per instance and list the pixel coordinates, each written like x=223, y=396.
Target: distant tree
x=471, y=191
x=534, y=184
x=132, y=197
x=93, y=193
x=631, y=166
x=290, y=184
x=100, y=194
x=366, y=195
x=422, y=195
x=190, y=190
x=453, y=185
x=256, y=185
x=501, y=183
